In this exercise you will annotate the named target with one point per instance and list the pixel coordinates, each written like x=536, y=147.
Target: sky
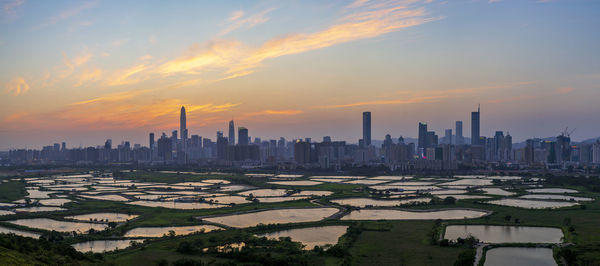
x=85, y=71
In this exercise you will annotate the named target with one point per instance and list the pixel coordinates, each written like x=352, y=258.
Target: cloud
x=9, y=8
x=413, y=100
x=87, y=75
x=429, y=96
x=113, y=97
x=68, y=13
x=70, y=64
x=238, y=21
x=122, y=110
x=17, y=86
x=236, y=15
x=234, y=59
x=145, y=57
x=127, y=76
x=512, y=99
x=564, y=90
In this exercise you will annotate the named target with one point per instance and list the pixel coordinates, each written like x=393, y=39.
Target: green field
x=375, y=243
x=12, y=190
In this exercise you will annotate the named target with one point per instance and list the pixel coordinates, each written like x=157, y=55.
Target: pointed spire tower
x=183, y=125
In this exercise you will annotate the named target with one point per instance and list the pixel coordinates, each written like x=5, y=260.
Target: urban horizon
x=356, y=141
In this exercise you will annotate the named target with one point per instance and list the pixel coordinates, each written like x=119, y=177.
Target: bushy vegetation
x=37, y=251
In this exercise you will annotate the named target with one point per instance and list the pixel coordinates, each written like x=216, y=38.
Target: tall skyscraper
x=475, y=137
x=242, y=136
x=460, y=140
x=183, y=125
x=422, y=135
x=367, y=128
x=151, y=142
x=231, y=140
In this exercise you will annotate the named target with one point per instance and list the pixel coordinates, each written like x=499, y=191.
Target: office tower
x=219, y=134
x=151, y=140
x=108, y=144
x=221, y=147
x=231, y=140
x=165, y=148
x=459, y=134
x=182, y=125
x=302, y=151
x=242, y=136
x=448, y=136
x=431, y=139
x=327, y=139
x=422, y=136
x=367, y=128
x=475, y=137
x=387, y=142
x=64, y=146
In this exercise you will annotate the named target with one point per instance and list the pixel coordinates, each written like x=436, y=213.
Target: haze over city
x=85, y=71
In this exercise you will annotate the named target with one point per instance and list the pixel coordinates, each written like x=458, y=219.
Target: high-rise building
x=242, y=136
x=459, y=133
x=422, y=136
x=367, y=128
x=475, y=136
x=231, y=136
x=151, y=141
x=108, y=144
x=183, y=125
x=448, y=136
x=165, y=148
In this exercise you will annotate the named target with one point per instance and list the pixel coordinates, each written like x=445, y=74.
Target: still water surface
x=505, y=234
x=519, y=256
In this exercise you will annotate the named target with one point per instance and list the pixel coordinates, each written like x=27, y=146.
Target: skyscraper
x=231, y=140
x=242, y=136
x=475, y=137
x=151, y=143
x=422, y=136
x=182, y=125
x=367, y=128
x=459, y=134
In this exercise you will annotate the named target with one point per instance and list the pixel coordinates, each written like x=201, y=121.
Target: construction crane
x=567, y=133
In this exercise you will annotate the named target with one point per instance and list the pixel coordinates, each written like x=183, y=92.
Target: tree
x=449, y=200
x=507, y=218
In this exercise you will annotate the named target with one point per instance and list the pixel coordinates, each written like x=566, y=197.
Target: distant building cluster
x=428, y=151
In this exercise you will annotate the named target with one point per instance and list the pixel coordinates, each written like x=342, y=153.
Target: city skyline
x=88, y=71
x=424, y=138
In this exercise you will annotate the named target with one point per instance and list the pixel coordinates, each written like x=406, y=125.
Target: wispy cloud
x=88, y=75
x=413, y=100
x=512, y=99
x=17, y=86
x=113, y=97
x=9, y=9
x=238, y=20
x=564, y=90
x=123, y=110
x=68, y=13
x=127, y=76
x=235, y=59
x=429, y=96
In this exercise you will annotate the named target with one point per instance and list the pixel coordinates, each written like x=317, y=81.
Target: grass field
x=406, y=243
x=12, y=190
